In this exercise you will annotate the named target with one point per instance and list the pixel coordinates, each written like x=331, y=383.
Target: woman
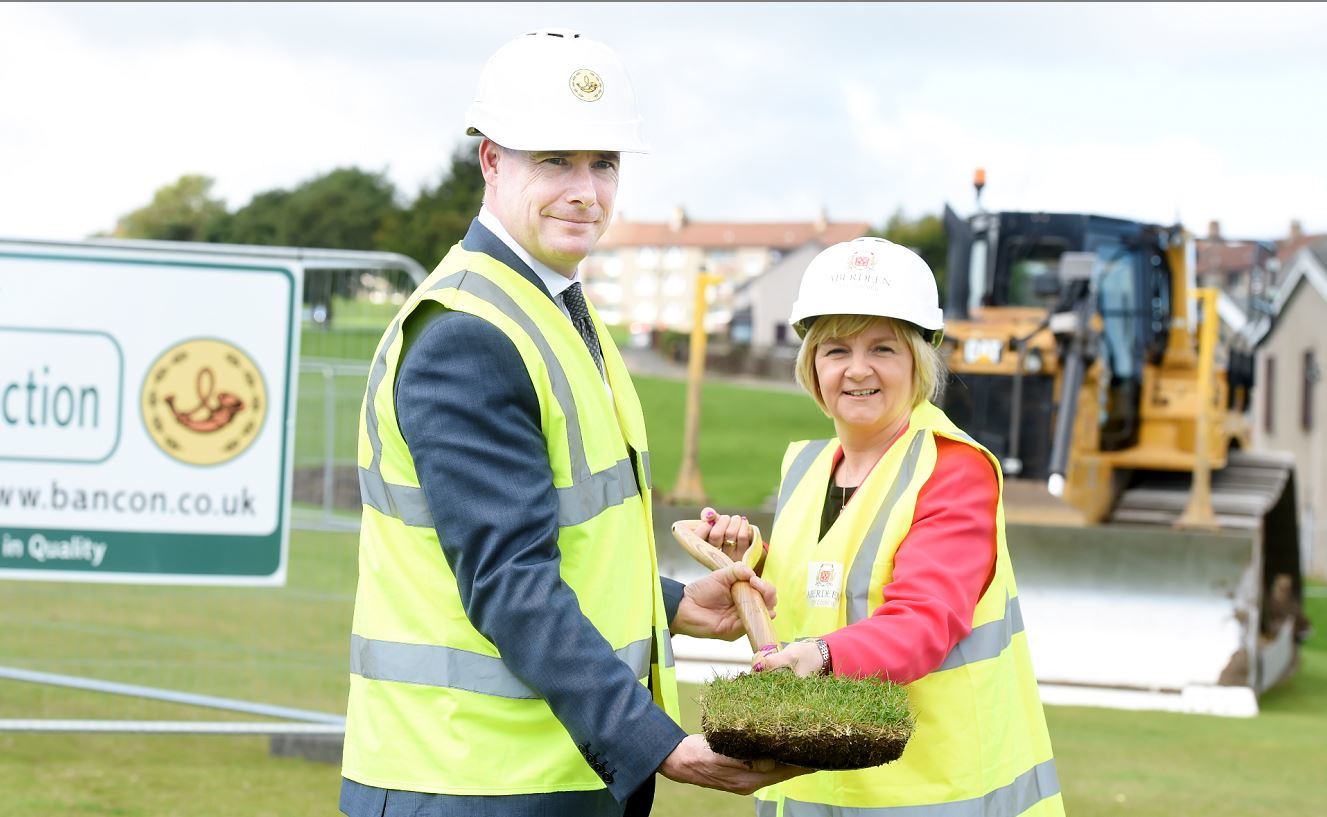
x=889, y=556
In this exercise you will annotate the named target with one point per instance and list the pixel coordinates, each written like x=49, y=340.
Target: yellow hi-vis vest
x=432, y=706
x=980, y=747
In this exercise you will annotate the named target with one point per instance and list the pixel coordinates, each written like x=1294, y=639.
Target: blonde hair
x=928, y=367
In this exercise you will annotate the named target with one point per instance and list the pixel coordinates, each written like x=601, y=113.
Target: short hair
x=928, y=366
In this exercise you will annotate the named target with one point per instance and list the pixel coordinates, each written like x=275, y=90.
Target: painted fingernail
x=759, y=668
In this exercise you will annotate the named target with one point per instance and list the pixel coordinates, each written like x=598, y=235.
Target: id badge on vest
x=824, y=584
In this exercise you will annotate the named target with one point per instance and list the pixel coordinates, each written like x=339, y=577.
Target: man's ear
x=490, y=155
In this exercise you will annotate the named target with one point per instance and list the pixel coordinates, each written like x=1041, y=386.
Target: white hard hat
x=553, y=89
x=869, y=276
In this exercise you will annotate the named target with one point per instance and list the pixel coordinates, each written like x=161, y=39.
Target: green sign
x=146, y=405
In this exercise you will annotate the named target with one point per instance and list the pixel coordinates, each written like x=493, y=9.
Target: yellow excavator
x=1158, y=559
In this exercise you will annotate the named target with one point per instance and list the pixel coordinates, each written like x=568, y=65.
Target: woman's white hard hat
x=869, y=276
x=554, y=89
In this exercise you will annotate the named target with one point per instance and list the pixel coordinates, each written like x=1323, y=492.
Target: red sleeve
x=944, y=564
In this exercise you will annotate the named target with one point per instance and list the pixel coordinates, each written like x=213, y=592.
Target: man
x=510, y=649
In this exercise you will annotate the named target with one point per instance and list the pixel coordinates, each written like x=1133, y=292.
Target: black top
x=835, y=499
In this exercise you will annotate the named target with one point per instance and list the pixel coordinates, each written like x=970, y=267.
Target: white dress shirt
x=554, y=281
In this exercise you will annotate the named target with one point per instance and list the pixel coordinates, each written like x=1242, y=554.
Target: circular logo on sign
x=204, y=402
x=586, y=85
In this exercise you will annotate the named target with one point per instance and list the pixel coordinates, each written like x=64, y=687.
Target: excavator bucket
x=1139, y=614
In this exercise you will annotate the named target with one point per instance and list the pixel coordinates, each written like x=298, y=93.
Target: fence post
x=329, y=442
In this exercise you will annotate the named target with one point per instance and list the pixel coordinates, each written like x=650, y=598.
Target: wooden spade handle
x=750, y=604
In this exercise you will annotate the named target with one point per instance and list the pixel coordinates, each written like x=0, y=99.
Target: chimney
x=1296, y=231
x=1214, y=230
x=678, y=219
x=822, y=220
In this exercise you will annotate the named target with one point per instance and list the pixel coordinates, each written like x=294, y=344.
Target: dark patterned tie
x=580, y=317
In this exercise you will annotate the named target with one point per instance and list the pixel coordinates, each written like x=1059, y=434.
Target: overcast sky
x=756, y=111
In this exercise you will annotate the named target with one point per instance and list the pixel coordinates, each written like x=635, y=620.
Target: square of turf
x=817, y=722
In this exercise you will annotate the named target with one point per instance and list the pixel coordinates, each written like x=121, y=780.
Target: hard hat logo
x=862, y=261
x=587, y=85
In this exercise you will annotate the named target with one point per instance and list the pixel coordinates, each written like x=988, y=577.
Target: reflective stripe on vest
x=1028, y=789
x=987, y=640
x=432, y=665
x=589, y=494
x=801, y=464
x=859, y=576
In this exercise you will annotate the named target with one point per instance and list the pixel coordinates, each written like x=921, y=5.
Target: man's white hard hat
x=554, y=89
x=869, y=276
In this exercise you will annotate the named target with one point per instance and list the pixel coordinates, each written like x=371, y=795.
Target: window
x=647, y=258
x=646, y=285
x=607, y=292
x=1311, y=376
x=1025, y=264
x=1117, y=299
x=721, y=262
x=1268, y=389
x=674, y=258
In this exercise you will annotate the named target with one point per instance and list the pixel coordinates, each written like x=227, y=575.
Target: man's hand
x=707, y=609
x=694, y=762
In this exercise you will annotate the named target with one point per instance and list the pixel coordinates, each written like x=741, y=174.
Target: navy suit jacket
x=470, y=415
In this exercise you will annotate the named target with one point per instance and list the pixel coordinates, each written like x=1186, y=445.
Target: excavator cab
x=1023, y=274
x=1158, y=562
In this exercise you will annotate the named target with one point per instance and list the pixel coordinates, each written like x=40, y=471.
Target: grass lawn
x=287, y=646
x=743, y=431
x=743, y=434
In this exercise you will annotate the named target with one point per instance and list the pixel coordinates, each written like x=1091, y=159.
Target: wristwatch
x=826, y=668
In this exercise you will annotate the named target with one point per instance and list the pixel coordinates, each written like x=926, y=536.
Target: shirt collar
x=555, y=281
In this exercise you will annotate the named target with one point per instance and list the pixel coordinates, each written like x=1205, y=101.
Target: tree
x=343, y=209
x=439, y=216
x=261, y=221
x=182, y=211
x=924, y=236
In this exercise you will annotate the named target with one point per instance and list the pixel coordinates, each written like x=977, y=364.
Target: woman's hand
x=730, y=534
x=802, y=657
